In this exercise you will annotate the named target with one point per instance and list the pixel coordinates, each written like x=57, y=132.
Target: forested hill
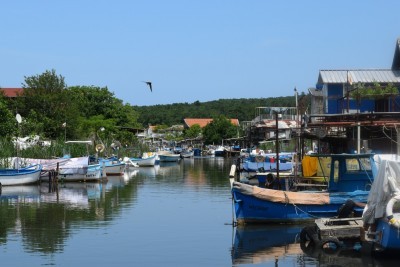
x=242, y=109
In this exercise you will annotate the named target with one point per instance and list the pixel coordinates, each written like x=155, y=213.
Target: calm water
x=169, y=215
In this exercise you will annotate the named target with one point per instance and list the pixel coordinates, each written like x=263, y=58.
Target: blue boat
x=267, y=162
x=381, y=216
x=145, y=161
x=20, y=176
x=220, y=151
x=351, y=176
x=112, y=166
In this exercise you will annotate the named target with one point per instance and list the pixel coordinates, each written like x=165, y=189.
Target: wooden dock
x=340, y=228
x=332, y=234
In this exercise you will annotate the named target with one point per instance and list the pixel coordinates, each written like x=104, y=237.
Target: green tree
x=217, y=130
x=193, y=132
x=8, y=123
x=99, y=108
x=44, y=101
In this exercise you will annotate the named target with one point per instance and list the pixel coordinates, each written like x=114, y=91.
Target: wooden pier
x=332, y=233
x=340, y=228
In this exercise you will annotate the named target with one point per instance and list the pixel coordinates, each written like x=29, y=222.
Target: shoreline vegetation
x=57, y=149
x=48, y=108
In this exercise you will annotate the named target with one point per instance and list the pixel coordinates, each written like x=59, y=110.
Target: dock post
x=57, y=171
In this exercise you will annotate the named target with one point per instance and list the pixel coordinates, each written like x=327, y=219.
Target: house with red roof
x=203, y=122
x=12, y=92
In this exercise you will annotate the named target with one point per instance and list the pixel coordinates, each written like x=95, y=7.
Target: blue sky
x=194, y=50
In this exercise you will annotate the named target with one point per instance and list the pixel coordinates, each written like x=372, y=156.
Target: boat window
x=361, y=164
x=365, y=164
x=324, y=166
x=336, y=171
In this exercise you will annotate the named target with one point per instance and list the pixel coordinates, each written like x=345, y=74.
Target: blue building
x=354, y=109
x=339, y=87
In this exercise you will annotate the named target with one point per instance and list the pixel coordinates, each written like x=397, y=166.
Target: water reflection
x=150, y=171
x=257, y=244
x=348, y=254
x=45, y=216
x=169, y=168
x=280, y=245
x=22, y=193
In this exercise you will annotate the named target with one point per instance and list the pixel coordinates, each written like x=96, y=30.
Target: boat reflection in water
x=168, y=168
x=72, y=194
x=130, y=173
x=280, y=245
x=150, y=171
x=20, y=193
x=120, y=180
x=254, y=244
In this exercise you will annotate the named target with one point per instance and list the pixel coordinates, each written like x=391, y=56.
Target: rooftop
x=12, y=92
x=203, y=122
x=359, y=76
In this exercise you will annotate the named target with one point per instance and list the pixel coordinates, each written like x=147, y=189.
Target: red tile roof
x=203, y=122
x=12, y=92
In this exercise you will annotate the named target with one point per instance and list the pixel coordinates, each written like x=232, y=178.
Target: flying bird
x=149, y=84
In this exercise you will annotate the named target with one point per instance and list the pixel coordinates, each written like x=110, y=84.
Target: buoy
x=100, y=147
x=389, y=211
x=260, y=158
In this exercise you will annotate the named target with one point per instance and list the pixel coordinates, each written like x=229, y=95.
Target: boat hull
x=92, y=173
x=187, y=154
x=115, y=169
x=389, y=239
x=252, y=209
x=144, y=162
x=20, y=176
x=170, y=158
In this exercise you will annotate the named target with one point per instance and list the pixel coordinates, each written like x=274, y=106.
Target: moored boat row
x=29, y=170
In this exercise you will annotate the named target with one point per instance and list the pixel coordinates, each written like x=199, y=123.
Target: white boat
x=112, y=166
x=116, y=168
x=220, y=151
x=187, y=154
x=145, y=160
x=79, y=169
x=27, y=175
x=166, y=156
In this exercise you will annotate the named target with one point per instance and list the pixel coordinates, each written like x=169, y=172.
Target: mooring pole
x=277, y=145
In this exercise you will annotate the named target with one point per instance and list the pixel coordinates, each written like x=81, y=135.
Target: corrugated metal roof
x=315, y=92
x=359, y=76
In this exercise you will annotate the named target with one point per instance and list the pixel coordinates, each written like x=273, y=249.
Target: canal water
x=177, y=214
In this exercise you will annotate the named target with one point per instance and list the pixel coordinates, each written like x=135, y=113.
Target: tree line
x=52, y=110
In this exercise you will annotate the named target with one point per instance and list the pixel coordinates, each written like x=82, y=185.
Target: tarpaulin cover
x=48, y=164
x=280, y=196
x=386, y=185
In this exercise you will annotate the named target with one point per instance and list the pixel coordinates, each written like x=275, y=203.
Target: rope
x=297, y=208
x=383, y=130
x=365, y=170
x=286, y=198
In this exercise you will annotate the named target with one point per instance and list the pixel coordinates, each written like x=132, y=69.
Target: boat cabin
x=350, y=172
